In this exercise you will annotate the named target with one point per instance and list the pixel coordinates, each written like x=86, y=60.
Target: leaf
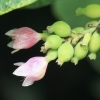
x=39, y=3
x=9, y=5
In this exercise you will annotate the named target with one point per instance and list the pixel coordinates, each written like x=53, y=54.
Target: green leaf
x=40, y=3
x=9, y=5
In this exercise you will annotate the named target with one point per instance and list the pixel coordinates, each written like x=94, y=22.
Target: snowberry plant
x=61, y=43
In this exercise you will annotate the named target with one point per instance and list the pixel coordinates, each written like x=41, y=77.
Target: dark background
x=68, y=82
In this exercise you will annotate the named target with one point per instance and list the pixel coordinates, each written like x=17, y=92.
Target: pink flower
x=22, y=38
x=33, y=70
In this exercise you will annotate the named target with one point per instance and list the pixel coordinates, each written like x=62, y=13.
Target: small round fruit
x=53, y=42
x=60, y=28
x=65, y=53
x=91, y=11
x=77, y=30
x=91, y=24
x=94, y=45
x=79, y=53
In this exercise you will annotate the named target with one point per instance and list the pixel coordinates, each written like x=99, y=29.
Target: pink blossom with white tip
x=22, y=38
x=33, y=70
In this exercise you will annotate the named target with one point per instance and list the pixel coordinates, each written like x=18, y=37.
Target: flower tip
x=9, y=33
x=28, y=81
x=14, y=51
x=10, y=44
x=15, y=73
x=18, y=64
x=27, y=84
x=59, y=62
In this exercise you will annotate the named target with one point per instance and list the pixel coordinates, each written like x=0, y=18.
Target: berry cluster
x=72, y=44
x=60, y=42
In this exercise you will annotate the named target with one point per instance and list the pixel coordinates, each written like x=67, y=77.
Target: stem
x=44, y=36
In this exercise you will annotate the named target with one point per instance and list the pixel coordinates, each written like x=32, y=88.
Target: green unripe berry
x=91, y=11
x=78, y=30
x=60, y=28
x=79, y=53
x=53, y=42
x=51, y=55
x=91, y=24
x=65, y=53
x=94, y=45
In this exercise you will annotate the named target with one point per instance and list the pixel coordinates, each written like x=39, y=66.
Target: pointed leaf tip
x=9, y=5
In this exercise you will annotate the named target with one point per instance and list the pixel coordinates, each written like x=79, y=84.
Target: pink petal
x=10, y=44
x=25, y=38
x=18, y=64
x=34, y=69
x=23, y=70
x=25, y=42
x=10, y=32
x=29, y=80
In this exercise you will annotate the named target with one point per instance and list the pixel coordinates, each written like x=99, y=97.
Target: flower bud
x=53, y=42
x=94, y=45
x=91, y=11
x=60, y=28
x=33, y=70
x=22, y=38
x=65, y=53
x=79, y=53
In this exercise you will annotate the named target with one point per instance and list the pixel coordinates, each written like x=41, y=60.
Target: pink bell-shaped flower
x=22, y=38
x=33, y=70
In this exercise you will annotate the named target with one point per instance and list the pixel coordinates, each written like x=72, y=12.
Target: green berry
x=60, y=28
x=79, y=53
x=51, y=55
x=94, y=45
x=65, y=53
x=91, y=24
x=53, y=42
x=78, y=30
x=91, y=11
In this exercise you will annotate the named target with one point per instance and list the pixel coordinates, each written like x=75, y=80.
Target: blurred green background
x=69, y=82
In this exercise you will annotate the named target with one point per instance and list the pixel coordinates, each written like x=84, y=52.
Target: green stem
x=44, y=36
